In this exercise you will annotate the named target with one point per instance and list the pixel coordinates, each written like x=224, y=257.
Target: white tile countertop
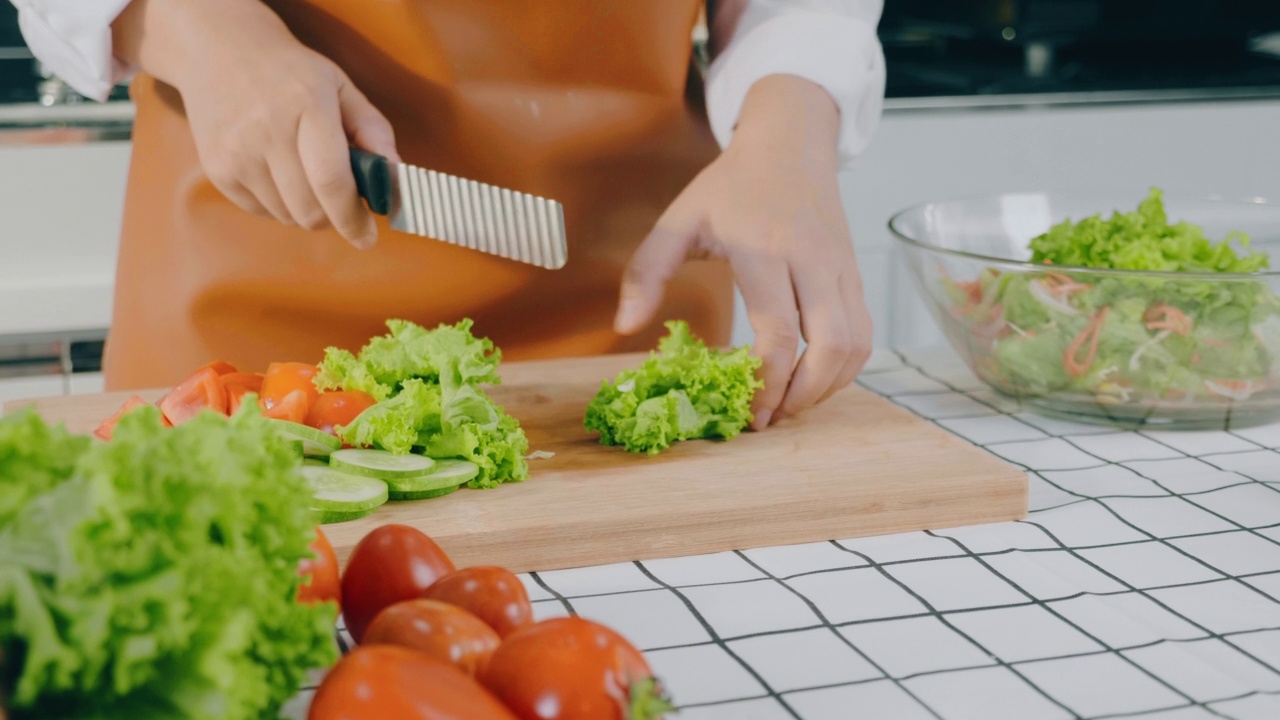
x=1144, y=583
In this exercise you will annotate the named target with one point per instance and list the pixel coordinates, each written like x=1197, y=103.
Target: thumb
x=368, y=128
x=645, y=279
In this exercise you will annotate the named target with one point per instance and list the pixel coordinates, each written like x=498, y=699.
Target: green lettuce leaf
x=155, y=576
x=428, y=385
x=683, y=391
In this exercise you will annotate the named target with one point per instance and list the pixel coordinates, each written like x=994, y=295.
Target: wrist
x=174, y=40
x=789, y=114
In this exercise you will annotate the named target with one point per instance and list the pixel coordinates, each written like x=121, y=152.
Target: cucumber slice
x=317, y=462
x=380, y=464
x=315, y=443
x=336, y=493
x=421, y=494
x=444, y=478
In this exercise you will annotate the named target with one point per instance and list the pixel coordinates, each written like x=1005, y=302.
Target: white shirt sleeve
x=73, y=40
x=832, y=43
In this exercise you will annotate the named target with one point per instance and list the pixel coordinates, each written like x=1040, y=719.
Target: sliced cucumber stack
x=445, y=477
x=339, y=496
x=380, y=464
x=315, y=443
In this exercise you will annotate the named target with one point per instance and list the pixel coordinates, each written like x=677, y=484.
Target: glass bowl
x=1162, y=350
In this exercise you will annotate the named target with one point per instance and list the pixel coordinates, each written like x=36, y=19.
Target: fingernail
x=626, y=318
x=763, y=418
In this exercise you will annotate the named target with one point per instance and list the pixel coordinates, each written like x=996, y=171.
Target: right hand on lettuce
x=271, y=118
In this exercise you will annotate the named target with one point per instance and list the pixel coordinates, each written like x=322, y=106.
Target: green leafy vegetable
x=684, y=391
x=1126, y=339
x=155, y=576
x=427, y=382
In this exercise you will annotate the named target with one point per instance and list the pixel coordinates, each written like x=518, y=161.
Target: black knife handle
x=373, y=179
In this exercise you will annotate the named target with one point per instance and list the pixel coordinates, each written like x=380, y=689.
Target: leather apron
x=596, y=103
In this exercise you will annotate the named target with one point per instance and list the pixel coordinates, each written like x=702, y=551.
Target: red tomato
x=335, y=409
x=222, y=367
x=253, y=381
x=203, y=390
x=493, y=594
x=283, y=378
x=570, y=668
x=443, y=631
x=108, y=426
x=390, y=564
x=386, y=682
x=293, y=407
x=325, y=583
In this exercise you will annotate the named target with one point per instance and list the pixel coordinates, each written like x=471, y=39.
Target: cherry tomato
x=335, y=409
x=202, y=390
x=283, y=378
x=493, y=594
x=387, y=682
x=443, y=631
x=390, y=564
x=293, y=407
x=571, y=668
x=324, y=583
x=253, y=381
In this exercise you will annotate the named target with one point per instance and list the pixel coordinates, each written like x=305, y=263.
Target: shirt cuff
x=841, y=54
x=73, y=40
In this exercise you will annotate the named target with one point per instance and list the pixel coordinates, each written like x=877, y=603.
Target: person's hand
x=271, y=118
x=770, y=206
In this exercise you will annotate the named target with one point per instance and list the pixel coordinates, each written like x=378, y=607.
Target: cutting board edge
x=1000, y=499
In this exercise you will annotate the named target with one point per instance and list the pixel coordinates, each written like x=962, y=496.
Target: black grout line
x=1054, y=611
x=933, y=612
x=1075, y=554
x=719, y=642
x=564, y=601
x=817, y=612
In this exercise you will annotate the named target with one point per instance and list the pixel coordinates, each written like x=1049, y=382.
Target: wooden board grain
x=855, y=466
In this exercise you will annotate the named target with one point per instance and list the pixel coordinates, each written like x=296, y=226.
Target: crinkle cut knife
x=487, y=218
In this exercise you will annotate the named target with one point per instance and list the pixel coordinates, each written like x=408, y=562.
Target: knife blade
x=475, y=215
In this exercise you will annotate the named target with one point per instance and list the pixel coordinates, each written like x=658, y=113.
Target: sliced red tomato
x=253, y=381
x=292, y=407
x=323, y=581
x=335, y=409
x=202, y=391
x=222, y=367
x=570, y=668
x=108, y=426
x=391, y=563
x=493, y=594
x=283, y=378
x=439, y=629
x=386, y=682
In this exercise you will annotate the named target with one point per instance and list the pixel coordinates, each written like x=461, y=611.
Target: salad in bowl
x=1167, y=314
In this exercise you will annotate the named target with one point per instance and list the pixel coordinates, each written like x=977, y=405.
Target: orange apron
x=595, y=103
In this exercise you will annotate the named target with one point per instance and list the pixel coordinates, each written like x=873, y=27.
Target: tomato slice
x=292, y=407
x=283, y=378
x=335, y=409
x=253, y=381
x=222, y=367
x=322, y=579
x=202, y=391
x=108, y=426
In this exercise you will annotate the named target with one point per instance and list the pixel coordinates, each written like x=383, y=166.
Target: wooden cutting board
x=856, y=465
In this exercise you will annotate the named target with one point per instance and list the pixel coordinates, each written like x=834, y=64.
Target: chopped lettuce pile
x=155, y=576
x=427, y=383
x=1141, y=340
x=684, y=391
